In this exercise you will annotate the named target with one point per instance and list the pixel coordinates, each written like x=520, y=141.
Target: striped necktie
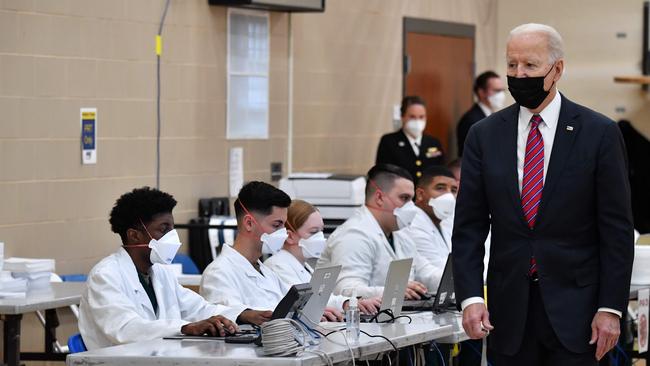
x=533, y=180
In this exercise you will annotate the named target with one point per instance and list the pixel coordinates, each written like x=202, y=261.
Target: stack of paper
x=17, y=264
x=35, y=271
x=12, y=287
x=34, y=279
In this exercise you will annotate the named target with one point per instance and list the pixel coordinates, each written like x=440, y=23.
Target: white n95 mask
x=313, y=246
x=272, y=243
x=164, y=249
x=497, y=100
x=443, y=206
x=405, y=214
x=415, y=127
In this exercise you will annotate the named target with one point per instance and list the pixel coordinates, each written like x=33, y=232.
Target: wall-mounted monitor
x=275, y=5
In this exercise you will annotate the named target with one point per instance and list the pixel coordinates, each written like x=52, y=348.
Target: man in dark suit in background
x=490, y=94
x=410, y=148
x=550, y=177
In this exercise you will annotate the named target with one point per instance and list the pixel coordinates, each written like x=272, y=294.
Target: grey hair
x=555, y=42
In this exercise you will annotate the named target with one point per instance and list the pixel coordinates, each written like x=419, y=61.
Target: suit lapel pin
x=569, y=128
x=400, y=144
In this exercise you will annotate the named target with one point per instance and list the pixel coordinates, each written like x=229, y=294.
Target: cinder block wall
x=57, y=56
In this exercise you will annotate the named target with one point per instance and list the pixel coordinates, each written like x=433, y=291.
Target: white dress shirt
x=550, y=116
x=415, y=143
x=485, y=109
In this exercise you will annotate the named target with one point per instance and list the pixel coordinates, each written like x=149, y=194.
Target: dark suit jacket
x=468, y=119
x=395, y=148
x=583, y=238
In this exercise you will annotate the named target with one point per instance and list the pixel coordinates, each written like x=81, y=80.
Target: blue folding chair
x=189, y=267
x=76, y=344
x=76, y=277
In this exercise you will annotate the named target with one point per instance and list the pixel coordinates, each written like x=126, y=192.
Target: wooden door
x=440, y=69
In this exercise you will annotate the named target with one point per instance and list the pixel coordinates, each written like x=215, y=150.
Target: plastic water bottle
x=352, y=320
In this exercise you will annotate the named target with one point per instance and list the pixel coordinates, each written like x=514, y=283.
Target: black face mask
x=529, y=92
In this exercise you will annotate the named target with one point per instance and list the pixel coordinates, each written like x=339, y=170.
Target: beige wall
x=348, y=75
x=594, y=54
x=59, y=56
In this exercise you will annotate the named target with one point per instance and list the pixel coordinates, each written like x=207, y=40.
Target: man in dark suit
x=550, y=177
x=490, y=94
x=410, y=148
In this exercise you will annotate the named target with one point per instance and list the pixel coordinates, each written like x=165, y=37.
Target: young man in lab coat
x=435, y=198
x=130, y=296
x=369, y=240
x=237, y=277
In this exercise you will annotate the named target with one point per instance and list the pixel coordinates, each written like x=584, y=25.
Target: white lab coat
x=361, y=248
x=231, y=280
x=115, y=308
x=291, y=272
x=432, y=244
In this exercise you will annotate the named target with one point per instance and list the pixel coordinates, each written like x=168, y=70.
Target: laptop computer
x=322, y=284
x=294, y=300
x=394, y=288
x=445, y=297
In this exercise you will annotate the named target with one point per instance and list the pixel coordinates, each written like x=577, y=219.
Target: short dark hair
x=139, y=204
x=409, y=101
x=384, y=176
x=434, y=171
x=481, y=81
x=260, y=197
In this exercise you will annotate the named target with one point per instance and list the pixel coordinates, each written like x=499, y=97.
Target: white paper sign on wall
x=236, y=170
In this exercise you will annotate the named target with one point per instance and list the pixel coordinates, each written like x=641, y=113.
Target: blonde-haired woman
x=306, y=240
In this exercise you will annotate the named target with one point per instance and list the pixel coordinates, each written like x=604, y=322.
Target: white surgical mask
x=497, y=100
x=164, y=249
x=405, y=214
x=414, y=127
x=313, y=246
x=443, y=206
x=272, y=243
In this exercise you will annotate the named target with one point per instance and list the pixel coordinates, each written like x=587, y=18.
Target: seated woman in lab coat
x=306, y=240
x=237, y=277
x=130, y=296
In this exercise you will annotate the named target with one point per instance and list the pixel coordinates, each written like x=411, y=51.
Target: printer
x=336, y=196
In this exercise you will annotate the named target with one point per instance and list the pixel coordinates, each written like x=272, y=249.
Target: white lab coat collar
x=239, y=261
x=284, y=258
x=128, y=268
x=156, y=277
x=371, y=223
x=265, y=281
